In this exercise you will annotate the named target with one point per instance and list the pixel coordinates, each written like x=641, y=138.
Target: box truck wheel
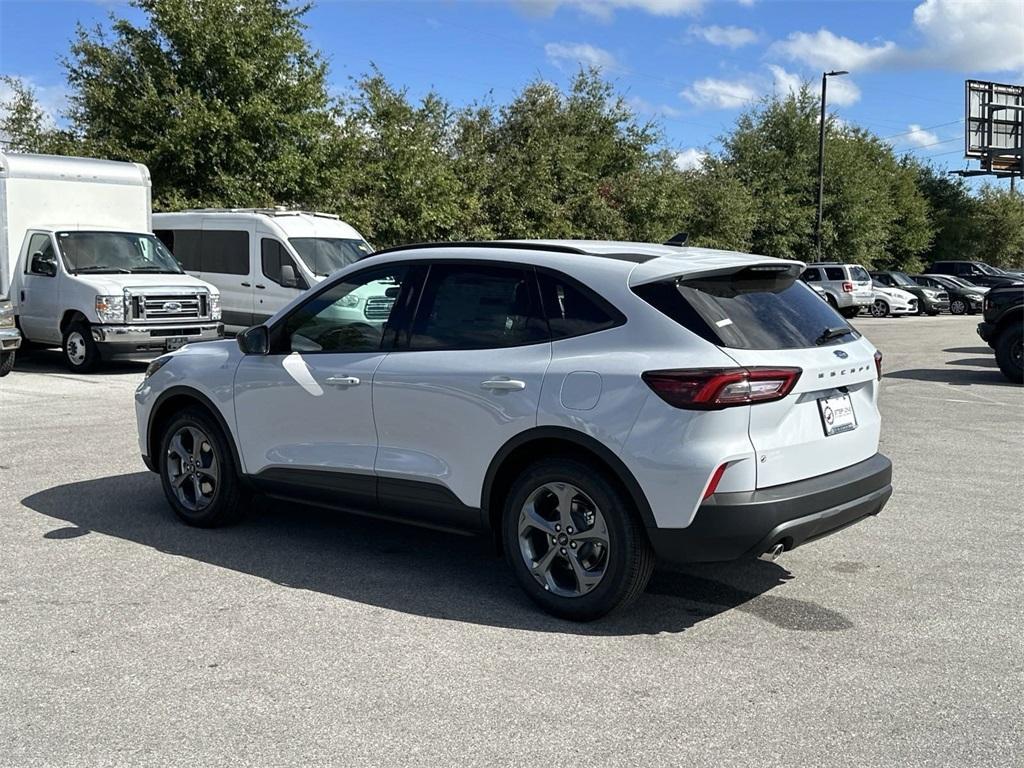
x=80, y=352
x=6, y=363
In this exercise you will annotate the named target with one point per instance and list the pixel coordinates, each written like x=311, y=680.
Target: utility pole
x=821, y=158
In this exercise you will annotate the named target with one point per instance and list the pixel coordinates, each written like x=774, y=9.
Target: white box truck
x=82, y=268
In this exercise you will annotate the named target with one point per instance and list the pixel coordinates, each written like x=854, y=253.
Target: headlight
x=973, y=297
x=349, y=301
x=110, y=309
x=6, y=314
x=156, y=365
x=215, y=306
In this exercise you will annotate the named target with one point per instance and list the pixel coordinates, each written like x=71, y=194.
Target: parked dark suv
x=978, y=272
x=1004, y=327
x=930, y=300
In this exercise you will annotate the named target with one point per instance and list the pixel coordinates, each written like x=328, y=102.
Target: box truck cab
x=263, y=258
x=83, y=268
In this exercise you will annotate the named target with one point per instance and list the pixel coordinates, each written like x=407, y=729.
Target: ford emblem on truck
x=172, y=306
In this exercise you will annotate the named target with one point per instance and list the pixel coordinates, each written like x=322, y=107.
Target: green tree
x=1000, y=227
x=24, y=127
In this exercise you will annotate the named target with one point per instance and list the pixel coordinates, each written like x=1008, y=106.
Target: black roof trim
x=519, y=245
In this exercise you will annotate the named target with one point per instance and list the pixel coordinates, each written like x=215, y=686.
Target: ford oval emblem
x=175, y=306
x=837, y=352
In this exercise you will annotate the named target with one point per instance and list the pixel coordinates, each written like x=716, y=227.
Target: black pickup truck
x=1003, y=329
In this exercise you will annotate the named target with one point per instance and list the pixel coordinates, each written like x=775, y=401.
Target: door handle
x=22, y=295
x=261, y=287
x=342, y=381
x=247, y=285
x=503, y=385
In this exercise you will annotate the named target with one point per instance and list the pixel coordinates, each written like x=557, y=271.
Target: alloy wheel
x=958, y=307
x=192, y=468
x=879, y=309
x=563, y=539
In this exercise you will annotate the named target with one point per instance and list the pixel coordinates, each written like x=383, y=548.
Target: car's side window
x=273, y=257
x=570, y=310
x=469, y=306
x=834, y=273
x=39, y=243
x=350, y=316
x=811, y=275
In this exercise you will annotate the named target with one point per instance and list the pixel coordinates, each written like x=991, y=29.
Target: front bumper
x=135, y=339
x=730, y=526
x=985, y=331
x=10, y=339
x=934, y=305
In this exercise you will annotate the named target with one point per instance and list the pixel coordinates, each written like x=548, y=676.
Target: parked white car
x=262, y=258
x=847, y=287
x=10, y=339
x=592, y=405
x=84, y=269
x=892, y=301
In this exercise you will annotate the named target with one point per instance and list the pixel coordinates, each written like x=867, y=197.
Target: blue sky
x=692, y=65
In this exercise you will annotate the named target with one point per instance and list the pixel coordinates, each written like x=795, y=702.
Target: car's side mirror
x=288, y=278
x=41, y=265
x=255, y=340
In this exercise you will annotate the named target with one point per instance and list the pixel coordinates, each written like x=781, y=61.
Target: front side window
x=112, y=252
x=40, y=245
x=273, y=256
x=350, y=316
x=324, y=255
x=750, y=309
x=477, y=307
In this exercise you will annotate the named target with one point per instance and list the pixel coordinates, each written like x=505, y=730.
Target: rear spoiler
x=714, y=264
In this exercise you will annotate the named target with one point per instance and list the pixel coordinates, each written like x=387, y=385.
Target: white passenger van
x=259, y=258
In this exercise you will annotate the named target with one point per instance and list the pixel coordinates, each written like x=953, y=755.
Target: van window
x=272, y=257
x=225, y=252
x=185, y=244
x=747, y=310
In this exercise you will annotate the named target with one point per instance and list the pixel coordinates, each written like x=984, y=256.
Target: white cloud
x=842, y=91
x=785, y=82
x=644, y=107
x=689, y=159
x=730, y=37
x=580, y=54
x=720, y=94
x=604, y=9
x=959, y=35
x=747, y=3
x=52, y=99
x=919, y=137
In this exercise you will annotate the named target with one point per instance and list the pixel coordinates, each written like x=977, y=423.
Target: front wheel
x=958, y=307
x=879, y=308
x=6, y=363
x=81, y=354
x=1010, y=354
x=197, y=471
x=574, y=541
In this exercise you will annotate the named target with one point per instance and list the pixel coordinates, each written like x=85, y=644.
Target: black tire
x=932, y=312
x=1010, y=354
x=81, y=354
x=831, y=301
x=628, y=559
x=6, y=363
x=849, y=312
x=958, y=307
x=879, y=308
x=228, y=498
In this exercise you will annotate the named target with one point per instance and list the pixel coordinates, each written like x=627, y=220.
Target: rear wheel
x=849, y=312
x=831, y=301
x=958, y=307
x=879, y=308
x=197, y=471
x=1010, y=354
x=81, y=354
x=574, y=541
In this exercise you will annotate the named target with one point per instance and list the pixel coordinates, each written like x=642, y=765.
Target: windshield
x=986, y=269
x=901, y=279
x=126, y=252
x=324, y=255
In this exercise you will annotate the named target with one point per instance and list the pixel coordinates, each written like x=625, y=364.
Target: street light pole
x=821, y=158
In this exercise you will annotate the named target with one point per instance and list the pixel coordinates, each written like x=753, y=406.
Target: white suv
x=592, y=405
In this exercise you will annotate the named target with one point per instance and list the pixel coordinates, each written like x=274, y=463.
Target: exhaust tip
x=773, y=553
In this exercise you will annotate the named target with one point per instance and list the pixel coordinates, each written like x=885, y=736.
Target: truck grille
x=163, y=307
x=378, y=308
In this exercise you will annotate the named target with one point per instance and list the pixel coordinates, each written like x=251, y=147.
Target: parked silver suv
x=847, y=287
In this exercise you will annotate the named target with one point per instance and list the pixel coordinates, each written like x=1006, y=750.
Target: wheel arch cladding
x=172, y=402
x=547, y=442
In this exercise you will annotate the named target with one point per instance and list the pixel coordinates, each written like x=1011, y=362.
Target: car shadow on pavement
x=955, y=376
x=980, y=350
x=402, y=568
x=52, y=361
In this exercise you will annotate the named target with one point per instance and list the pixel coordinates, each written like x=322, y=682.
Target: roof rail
x=278, y=211
x=511, y=244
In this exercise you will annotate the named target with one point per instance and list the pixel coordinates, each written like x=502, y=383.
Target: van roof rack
x=277, y=211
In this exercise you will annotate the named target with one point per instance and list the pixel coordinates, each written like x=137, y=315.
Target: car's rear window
x=750, y=309
x=859, y=274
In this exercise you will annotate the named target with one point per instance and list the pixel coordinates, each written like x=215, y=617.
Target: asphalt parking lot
x=307, y=638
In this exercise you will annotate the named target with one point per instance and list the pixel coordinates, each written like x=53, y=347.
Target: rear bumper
x=730, y=526
x=10, y=339
x=136, y=339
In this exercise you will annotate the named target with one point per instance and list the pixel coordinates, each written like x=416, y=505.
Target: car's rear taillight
x=847, y=287
x=710, y=389
x=878, y=364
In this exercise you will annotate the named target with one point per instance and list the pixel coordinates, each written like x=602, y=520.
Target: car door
x=465, y=378
x=39, y=307
x=305, y=410
x=274, y=286
x=227, y=261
